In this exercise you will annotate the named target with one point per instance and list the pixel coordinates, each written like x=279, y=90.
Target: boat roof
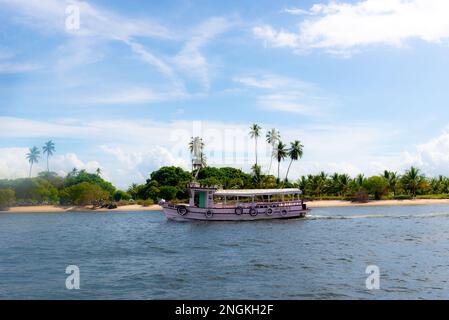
x=256, y=192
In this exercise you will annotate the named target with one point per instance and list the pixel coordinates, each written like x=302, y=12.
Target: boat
x=211, y=203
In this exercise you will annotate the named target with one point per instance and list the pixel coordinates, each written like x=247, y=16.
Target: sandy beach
x=59, y=209
x=341, y=203
x=311, y=204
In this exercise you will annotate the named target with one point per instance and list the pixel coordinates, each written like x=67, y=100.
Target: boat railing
x=260, y=204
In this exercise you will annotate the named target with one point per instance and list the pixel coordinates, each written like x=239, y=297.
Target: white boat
x=210, y=203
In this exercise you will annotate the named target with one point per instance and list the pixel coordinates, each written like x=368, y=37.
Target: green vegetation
x=77, y=188
x=7, y=198
x=255, y=134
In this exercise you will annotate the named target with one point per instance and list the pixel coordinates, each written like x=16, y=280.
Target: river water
x=141, y=255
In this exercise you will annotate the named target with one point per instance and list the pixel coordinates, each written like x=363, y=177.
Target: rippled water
x=140, y=255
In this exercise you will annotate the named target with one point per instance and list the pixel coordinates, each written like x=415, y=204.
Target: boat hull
x=229, y=214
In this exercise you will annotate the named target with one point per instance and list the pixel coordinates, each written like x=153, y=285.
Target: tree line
x=77, y=188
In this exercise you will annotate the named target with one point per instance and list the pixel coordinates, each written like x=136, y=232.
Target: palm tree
x=281, y=154
x=360, y=180
x=33, y=157
x=392, y=178
x=203, y=160
x=412, y=180
x=48, y=149
x=255, y=134
x=256, y=175
x=295, y=152
x=344, y=181
x=196, y=146
x=273, y=136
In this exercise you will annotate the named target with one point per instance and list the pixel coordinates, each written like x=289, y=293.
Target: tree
x=33, y=157
x=85, y=193
x=281, y=154
x=98, y=172
x=392, y=178
x=170, y=176
x=273, y=136
x=254, y=133
x=295, y=152
x=168, y=192
x=196, y=147
x=7, y=198
x=256, y=175
x=84, y=176
x=378, y=186
x=412, y=180
x=48, y=149
x=120, y=195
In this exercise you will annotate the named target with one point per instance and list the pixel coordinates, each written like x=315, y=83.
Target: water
x=140, y=255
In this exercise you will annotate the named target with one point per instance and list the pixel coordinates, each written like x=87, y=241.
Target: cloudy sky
x=363, y=84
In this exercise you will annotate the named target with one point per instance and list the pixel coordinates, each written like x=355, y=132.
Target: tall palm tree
x=281, y=154
x=295, y=152
x=254, y=133
x=48, y=148
x=273, y=136
x=33, y=157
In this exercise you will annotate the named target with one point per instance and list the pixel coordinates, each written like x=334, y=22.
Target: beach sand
x=59, y=209
x=341, y=203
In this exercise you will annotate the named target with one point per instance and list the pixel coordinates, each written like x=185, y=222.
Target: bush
x=377, y=186
x=433, y=196
x=120, y=195
x=84, y=193
x=145, y=203
x=7, y=198
x=361, y=196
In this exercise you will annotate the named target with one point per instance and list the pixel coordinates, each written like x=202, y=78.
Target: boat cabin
x=202, y=196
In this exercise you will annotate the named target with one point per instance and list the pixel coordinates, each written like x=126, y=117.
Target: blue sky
x=363, y=84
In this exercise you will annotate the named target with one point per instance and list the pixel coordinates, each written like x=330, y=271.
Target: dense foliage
x=77, y=188
x=169, y=183
x=7, y=198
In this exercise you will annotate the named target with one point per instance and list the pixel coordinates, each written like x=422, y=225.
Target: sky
x=123, y=85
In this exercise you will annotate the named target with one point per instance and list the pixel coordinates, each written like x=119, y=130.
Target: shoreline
x=310, y=204
x=62, y=209
x=374, y=203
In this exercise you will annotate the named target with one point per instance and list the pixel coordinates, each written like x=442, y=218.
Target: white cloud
x=277, y=39
x=432, y=156
x=131, y=164
x=13, y=164
x=296, y=11
x=190, y=59
x=277, y=93
x=342, y=27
